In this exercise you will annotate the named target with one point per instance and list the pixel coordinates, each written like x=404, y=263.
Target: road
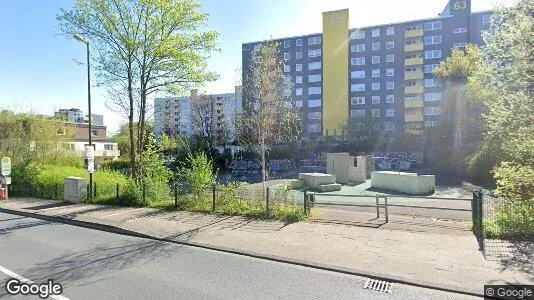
x=92, y=264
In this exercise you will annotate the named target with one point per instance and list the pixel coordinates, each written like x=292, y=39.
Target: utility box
x=75, y=190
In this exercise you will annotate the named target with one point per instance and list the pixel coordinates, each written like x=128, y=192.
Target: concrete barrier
x=346, y=168
x=409, y=183
x=75, y=190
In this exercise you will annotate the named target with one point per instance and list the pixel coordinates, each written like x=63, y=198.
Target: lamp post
x=80, y=39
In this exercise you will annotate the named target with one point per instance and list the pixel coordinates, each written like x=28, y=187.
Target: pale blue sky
x=38, y=71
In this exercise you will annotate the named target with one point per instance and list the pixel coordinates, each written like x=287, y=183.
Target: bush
x=514, y=181
x=512, y=219
x=198, y=171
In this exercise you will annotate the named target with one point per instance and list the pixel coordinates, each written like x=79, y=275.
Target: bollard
x=377, y=208
x=94, y=190
x=213, y=201
x=117, y=193
x=267, y=202
x=306, y=202
x=386, y=208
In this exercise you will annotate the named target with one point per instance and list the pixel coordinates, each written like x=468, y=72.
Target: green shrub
x=514, y=181
x=512, y=219
x=198, y=171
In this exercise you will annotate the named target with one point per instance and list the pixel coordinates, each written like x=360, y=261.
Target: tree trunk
x=130, y=126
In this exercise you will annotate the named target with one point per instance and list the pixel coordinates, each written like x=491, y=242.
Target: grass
x=514, y=219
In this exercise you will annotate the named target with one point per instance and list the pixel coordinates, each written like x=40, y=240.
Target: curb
x=298, y=262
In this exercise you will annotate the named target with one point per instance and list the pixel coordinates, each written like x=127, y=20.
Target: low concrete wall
x=314, y=180
x=409, y=183
x=342, y=165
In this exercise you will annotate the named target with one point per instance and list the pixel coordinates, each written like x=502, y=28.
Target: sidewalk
x=446, y=258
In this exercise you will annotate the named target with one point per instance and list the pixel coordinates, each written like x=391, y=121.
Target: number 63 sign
x=460, y=5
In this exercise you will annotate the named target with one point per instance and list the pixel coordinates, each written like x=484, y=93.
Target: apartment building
x=381, y=73
x=215, y=117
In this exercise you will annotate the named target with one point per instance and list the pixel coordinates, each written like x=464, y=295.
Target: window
x=410, y=83
x=314, y=128
x=357, y=100
x=360, y=87
x=375, y=46
x=315, y=115
x=433, y=25
x=314, y=65
x=256, y=59
x=298, y=67
x=459, y=30
x=314, y=78
x=357, y=74
x=390, y=85
x=390, y=72
x=375, y=86
x=298, y=55
x=298, y=43
x=287, y=79
x=390, y=58
x=390, y=99
x=431, y=82
x=459, y=45
x=430, y=68
x=431, y=123
x=433, y=40
x=314, y=90
x=287, y=56
x=390, y=45
x=432, y=111
x=376, y=73
x=314, y=103
x=298, y=104
x=257, y=47
x=298, y=91
x=390, y=112
x=390, y=126
x=360, y=127
x=287, y=68
x=357, y=61
x=287, y=44
x=316, y=40
x=375, y=113
x=314, y=53
x=357, y=113
x=357, y=48
x=375, y=32
x=357, y=35
x=412, y=98
x=376, y=59
x=432, y=97
x=109, y=147
x=486, y=19
x=390, y=30
x=94, y=132
x=408, y=70
x=433, y=54
x=375, y=99
x=298, y=79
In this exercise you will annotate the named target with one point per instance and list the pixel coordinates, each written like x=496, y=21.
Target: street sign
x=6, y=166
x=90, y=155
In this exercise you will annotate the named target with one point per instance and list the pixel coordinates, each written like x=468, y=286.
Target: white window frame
x=315, y=90
x=432, y=66
x=298, y=92
x=357, y=61
x=433, y=97
x=429, y=26
x=375, y=32
x=390, y=98
x=315, y=102
x=298, y=43
x=357, y=87
x=375, y=99
x=314, y=40
x=314, y=78
x=433, y=82
x=486, y=19
x=357, y=35
x=357, y=100
x=390, y=56
x=375, y=59
x=433, y=40
x=298, y=68
x=314, y=128
x=358, y=48
x=390, y=85
x=432, y=111
x=316, y=65
x=390, y=72
x=357, y=113
x=287, y=68
x=459, y=30
x=375, y=112
x=287, y=44
x=375, y=86
x=375, y=74
x=375, y=46
x=357, y=74
x=390, y=45
x=287, y=56
x=390, y=125
x=433, y=54
x=459, y=45
x=315, y=115
x=314, y=53
x=298, y=54
x=390, y=112
x=390, y=30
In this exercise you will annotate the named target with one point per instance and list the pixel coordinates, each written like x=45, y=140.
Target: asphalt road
x=92, y=264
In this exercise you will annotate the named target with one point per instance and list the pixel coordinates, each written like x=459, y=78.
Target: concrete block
x=329, y=187
x=75, y=189
x=409, y=183
x=313, y=180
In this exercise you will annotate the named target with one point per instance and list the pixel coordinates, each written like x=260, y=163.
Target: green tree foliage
x=268, y=116
x=198, y=171
x=143, y=47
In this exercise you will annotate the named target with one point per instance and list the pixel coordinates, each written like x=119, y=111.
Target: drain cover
x=378, y=285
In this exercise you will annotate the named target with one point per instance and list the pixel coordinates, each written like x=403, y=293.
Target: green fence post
x=377, y=208
x=94, y=190
x=267, y=201
x=213, y=199
x=117, y=193
x=175, y=194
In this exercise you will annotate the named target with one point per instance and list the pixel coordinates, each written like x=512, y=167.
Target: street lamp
x=81, y=39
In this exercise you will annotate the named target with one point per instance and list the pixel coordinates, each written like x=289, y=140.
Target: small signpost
x=90, y=155
x=6, y=166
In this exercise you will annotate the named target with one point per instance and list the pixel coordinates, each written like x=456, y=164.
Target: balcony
x=414, y=118
x=418, y=89
x=412, y=104
x=413, y=33
x=413, y=47
x=417, y=132
x=413, y=62
x=413, y=75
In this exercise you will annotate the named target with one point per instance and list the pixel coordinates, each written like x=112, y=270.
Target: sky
x=42, y=71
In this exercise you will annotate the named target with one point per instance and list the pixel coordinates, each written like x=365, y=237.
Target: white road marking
x=25, y=280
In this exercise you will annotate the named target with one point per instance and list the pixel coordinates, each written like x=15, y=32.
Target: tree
x=268, y=115
x=505, y=85
x=461, y=126
x=143, y=47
